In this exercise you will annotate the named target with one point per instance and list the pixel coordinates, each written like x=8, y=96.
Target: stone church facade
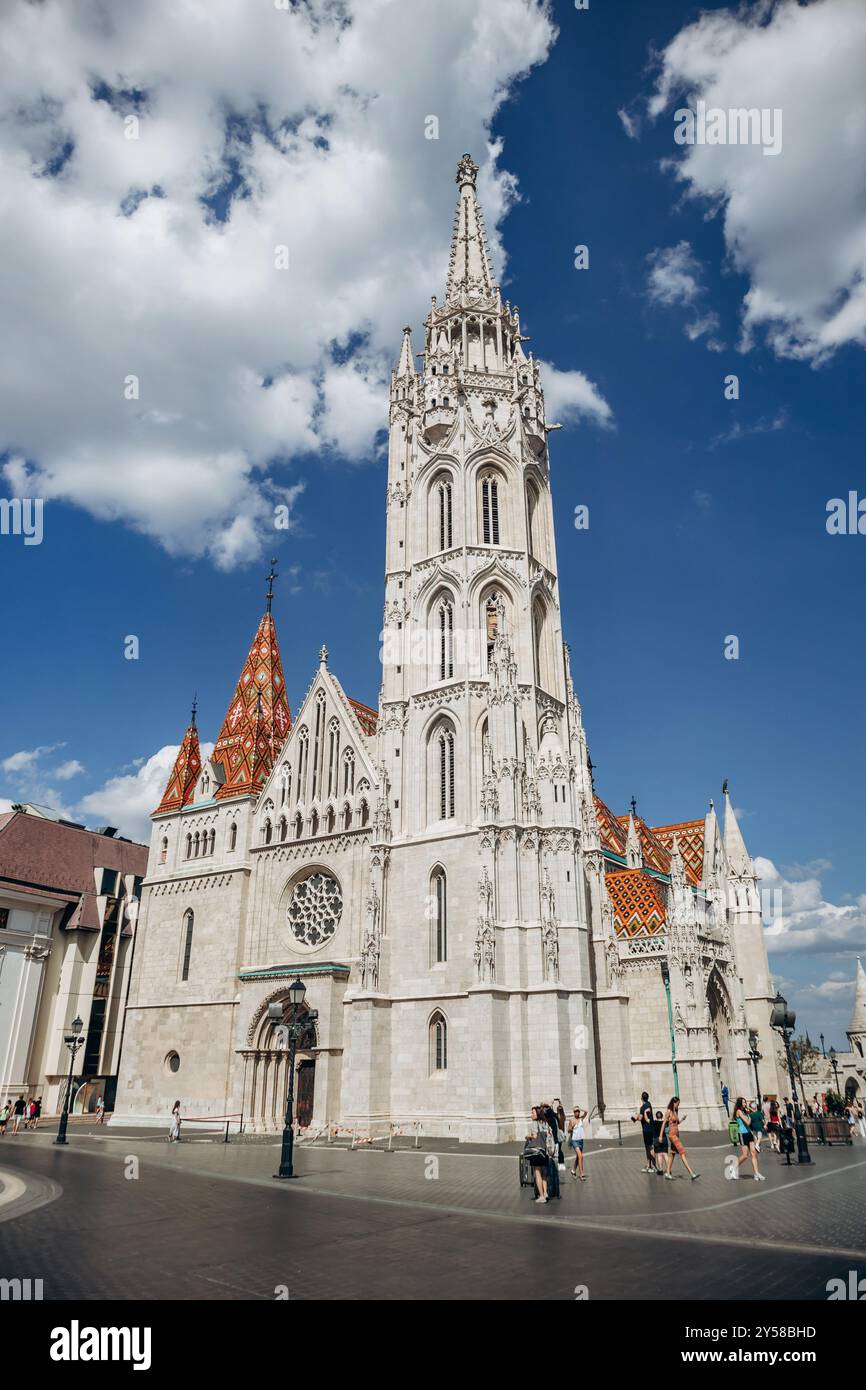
x=475, y=928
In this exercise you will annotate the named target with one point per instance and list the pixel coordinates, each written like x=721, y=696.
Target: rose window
x=314, y=909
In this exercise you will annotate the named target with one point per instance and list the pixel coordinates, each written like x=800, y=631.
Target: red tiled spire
x=258, y=719
x=187, y=766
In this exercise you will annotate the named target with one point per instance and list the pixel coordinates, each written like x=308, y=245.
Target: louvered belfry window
x=490, y=510
x=446, y=774
x=445, y=527
x=446, y=641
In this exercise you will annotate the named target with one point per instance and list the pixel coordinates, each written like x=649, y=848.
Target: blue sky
x=707, y=516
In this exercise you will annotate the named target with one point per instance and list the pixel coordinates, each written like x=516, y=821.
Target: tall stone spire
x=469, y=266
x=858, y=1017
x=406, y=365
x=258, y=719
x=738, y=856
x=184, y=774
x=633, y=846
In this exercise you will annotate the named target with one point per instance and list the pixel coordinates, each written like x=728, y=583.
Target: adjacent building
x=68, y=904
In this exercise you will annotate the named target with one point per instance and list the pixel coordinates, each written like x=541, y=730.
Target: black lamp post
x=666, y=981
x=823, y=1053
x=832, y=1056
x=783, y=1019
x=294, y=1029
x=73, y=1040
x=756, y=1057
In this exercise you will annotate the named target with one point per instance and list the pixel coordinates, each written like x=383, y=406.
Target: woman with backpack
x=538, y=1149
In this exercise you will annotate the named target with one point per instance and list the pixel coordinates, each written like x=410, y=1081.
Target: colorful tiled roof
x=365, y=716
x=638, y=902
x=656, y=854
x=187, y=766
x=611, y=832
x=690, y=834
x=258, y=719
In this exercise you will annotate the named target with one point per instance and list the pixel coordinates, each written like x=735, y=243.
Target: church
x=475, y=928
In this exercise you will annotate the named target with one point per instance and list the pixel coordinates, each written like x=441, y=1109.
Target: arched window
x=445, y=760
x=444, y=636
x=205, y=784
x=299, y=825
x=196, y=845
x=365, y=812
x=439, y=909
x=286, y=786
x=541, y=646
x=303, y=743
x=314, y=823
x=211, y=841
x=163, y=850
x=438, y=1035
x=348, y=772
x=347, y=818
x=331, y=820
x=532, y=519
x=318, y=744
x=494, y=622
x=490, y=509
x=284, y=828
x=444, y=515
x=267, y=832
x=189, y=846
x=333, y=757
x=233, y=835
x=188, y=921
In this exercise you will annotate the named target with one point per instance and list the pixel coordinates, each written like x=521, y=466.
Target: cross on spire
x=271, y=577
x=633, y=805
x=194, y=708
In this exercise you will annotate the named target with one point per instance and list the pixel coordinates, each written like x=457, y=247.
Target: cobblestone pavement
x=206, y=1220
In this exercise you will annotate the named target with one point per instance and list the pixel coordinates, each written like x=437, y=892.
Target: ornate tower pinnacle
x=469, y=266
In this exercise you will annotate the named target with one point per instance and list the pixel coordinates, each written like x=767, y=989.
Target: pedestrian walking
x=576, y=1136
x=5, y=1112
x=743, y=1117
x=538, y=1153
x=861, y=1119
x=645, y=1117
x=549, y=1116
x=672, y=1121
x=774, y=1126
x=560, y=1125
x=757, y=1125
x=38, y=1116
x=660, y=1143
x=174, y=1131
x=31, y=1113
x=726, y=1096
x=18, y=1116
x=100, y=1111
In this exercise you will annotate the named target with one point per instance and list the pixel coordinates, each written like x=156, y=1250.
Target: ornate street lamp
x=74, y=1040
x=295, y=1029
x=756, y=1057
x=783, y=1019
x=823, y=1053
x=832, y=1055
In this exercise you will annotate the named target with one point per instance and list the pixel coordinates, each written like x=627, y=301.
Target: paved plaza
x=206, y=1220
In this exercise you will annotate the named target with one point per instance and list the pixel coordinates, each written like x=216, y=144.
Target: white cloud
x=127, y=801
x=240, y=365
x=68, y=770
x=801, y=920
x=795, y=224
x=570, y=396
x=675, y=280
x=23, y=761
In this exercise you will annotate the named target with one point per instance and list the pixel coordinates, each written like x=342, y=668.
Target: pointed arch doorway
x=266, y=1083
x=721, y=1023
